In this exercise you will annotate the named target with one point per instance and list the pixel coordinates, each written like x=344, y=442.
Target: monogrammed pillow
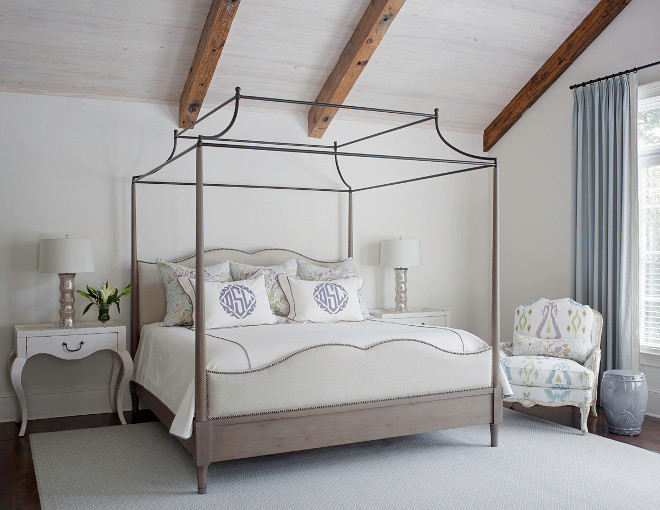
x=323, y=301
x=344, y=269
x=243, y=303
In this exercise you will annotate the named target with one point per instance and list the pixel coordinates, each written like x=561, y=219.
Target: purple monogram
x=330, y=297
x=238, y=301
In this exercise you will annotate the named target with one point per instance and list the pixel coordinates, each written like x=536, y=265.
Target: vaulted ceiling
x=468, y=58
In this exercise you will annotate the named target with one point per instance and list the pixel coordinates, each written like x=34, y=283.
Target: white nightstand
x=423, y=316
x=72, y=343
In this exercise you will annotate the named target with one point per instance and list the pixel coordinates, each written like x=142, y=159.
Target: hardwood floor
x=18, y=484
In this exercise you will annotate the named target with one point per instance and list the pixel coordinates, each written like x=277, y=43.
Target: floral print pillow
x=278, y=302
x=345, y=269
x=179, y=308
x=569, y=348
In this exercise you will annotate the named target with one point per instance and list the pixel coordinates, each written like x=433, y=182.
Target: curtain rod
x=627, y=71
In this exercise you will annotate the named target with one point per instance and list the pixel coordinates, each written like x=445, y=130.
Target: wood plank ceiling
x=469, y=58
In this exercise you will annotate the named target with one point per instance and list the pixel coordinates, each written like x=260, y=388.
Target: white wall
x=66, y=169
x=535, y=162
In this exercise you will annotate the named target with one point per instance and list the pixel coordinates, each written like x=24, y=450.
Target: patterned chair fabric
x=559, y=318
x=554, y=381
x=547, y=372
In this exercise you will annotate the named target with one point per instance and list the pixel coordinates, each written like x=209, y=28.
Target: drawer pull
x=72, y=350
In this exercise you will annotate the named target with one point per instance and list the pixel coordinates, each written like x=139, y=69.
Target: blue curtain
x=605, y=201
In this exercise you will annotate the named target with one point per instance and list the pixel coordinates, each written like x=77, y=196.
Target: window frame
x=648, y=98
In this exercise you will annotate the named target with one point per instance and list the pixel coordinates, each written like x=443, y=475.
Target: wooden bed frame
x=252, y=436
x=234, y=438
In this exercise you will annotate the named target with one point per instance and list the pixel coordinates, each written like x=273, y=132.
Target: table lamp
x=66, y=257
x=401, y=254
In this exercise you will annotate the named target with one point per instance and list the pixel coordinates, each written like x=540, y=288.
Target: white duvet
x=282, y=366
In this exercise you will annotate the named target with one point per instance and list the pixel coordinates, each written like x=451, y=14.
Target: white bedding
x=270, y=368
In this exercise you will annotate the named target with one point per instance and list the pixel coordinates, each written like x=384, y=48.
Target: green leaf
x=83, y=294
x=127, y=290
x=117, y=303
x=87, y=308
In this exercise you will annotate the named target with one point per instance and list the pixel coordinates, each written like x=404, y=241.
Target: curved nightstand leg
x=126, y=373
x=114, y=376
x=16, y=373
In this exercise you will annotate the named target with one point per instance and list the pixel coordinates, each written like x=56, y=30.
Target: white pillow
x=344, y=269
x=323, y=301
x=243, y=303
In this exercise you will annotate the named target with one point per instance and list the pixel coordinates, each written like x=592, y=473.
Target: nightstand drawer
x=425, y=321
x=71, y=346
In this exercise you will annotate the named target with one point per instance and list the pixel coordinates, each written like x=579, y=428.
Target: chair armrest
x=593, y=364
x=506, y=348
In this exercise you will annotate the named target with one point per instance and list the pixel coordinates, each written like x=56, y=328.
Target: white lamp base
x=401, y=299
x=67, y=299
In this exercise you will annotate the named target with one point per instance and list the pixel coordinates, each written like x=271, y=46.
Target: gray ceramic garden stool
x=624, y=395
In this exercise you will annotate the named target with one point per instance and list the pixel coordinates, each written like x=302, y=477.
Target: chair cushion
x=547, y=372
x=559, y=318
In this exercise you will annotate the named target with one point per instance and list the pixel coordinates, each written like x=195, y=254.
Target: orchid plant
x=104, y=297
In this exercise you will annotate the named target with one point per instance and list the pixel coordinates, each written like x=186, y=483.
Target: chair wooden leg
x=584, y=414
x=202, y=471
x=494, y=434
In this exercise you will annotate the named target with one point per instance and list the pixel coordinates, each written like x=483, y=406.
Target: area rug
x=538, y=465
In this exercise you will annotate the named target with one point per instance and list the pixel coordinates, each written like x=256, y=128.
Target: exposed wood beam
x=365, y=39
x=586, y=32
x=218, y=22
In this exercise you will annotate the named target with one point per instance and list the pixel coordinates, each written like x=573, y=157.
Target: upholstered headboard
x=152, y=304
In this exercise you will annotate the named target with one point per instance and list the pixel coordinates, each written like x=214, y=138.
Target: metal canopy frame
x=472, y=163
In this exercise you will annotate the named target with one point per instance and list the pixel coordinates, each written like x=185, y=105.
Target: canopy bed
x=301, y=391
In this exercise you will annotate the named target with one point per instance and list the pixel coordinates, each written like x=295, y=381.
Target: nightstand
x=423, y=316
x=70, y=343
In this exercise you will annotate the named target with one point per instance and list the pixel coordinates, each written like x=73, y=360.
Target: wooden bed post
x=202, y=439
x=497, y=390
x=134, y=298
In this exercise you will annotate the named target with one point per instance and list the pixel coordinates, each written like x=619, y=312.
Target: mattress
x=282, y=367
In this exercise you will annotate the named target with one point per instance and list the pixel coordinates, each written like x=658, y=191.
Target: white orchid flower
x=104, y=297
x=106, y=292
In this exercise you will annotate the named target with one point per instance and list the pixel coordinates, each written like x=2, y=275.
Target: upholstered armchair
x=554, y=358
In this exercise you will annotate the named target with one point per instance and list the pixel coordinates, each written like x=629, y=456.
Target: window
x=648, y=136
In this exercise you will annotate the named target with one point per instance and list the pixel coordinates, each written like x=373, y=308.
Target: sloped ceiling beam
x=586, y=32
x=375, y=21
x=211, y=42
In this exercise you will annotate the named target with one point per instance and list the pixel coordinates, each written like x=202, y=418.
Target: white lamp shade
x=66, y=255
x=401, y=253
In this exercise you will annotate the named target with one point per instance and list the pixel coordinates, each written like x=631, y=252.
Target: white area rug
x=538, y=465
